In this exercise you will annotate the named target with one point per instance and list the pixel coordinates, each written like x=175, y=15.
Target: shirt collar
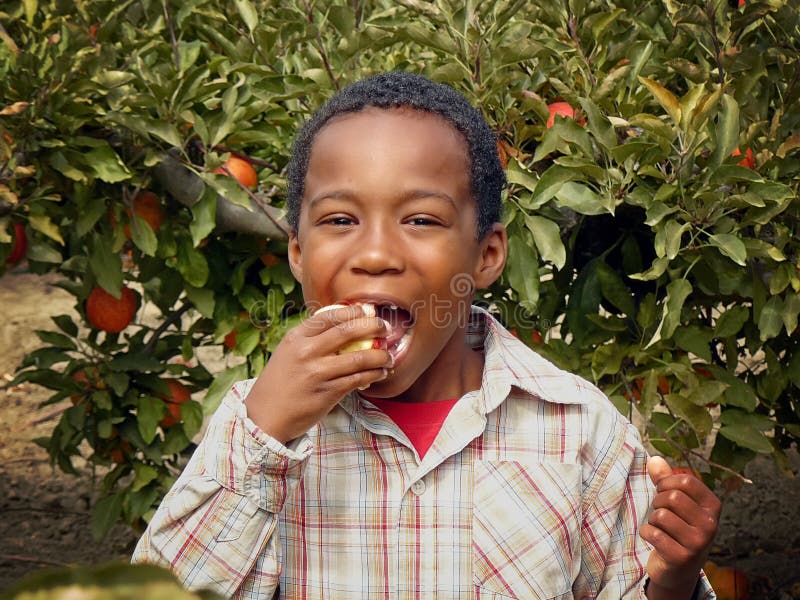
x=508, y=363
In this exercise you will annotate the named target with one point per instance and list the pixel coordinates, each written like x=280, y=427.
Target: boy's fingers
x=692, y=487
x=361, y=380
x=685, y=507
x=323, y=320
x=353, y=363
x=658, y=469
x=670, y=551
x=693, y=538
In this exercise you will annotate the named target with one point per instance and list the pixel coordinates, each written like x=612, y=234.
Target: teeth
x=369, y=309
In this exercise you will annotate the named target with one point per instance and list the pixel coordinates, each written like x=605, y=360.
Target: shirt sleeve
x=215, y=529
x=618, y=501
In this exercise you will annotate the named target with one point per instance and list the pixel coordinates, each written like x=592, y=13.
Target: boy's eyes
x=419, y=221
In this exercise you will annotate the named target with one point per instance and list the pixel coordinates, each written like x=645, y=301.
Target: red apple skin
x=20, y=244
x=559, y=108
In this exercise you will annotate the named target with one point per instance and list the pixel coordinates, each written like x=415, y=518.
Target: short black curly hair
x=399, y=89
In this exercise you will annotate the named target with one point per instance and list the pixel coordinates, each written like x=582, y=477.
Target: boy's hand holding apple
x=314, y=366
x=681, y=529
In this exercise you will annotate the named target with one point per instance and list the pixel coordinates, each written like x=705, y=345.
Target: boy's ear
x=295, y=257
x=493, y=249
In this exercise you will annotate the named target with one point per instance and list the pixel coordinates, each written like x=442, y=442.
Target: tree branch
x=187, y=188
x=170, y=320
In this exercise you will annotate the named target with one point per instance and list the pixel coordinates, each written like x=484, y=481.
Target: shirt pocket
x=526, y=529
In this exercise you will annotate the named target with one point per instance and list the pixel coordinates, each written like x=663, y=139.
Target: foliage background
x=643, y=255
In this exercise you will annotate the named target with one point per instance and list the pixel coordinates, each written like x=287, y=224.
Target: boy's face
x=388, y=217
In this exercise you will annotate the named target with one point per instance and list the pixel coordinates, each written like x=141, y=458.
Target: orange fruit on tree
x=729, y=583
x=563, y=109
x=20, y=244
x=241, y=170
x=269, y=260
x=147, y=206
x=110, y=314
x=748, y=161
x=178, y=394
x=89, y=380
x=119, y=453
x=230, y=340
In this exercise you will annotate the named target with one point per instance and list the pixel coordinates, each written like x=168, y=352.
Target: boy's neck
x=441, y=380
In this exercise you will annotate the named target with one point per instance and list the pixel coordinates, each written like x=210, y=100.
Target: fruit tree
x=654, y=231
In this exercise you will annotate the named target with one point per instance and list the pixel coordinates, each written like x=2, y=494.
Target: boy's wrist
x=687, y=591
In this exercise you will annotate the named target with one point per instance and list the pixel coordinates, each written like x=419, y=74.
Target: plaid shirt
x=535, y=487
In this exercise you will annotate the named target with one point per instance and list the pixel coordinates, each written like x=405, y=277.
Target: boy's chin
x=385, y=389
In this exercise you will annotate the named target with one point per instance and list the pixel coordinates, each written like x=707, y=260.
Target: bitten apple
x=358, y=345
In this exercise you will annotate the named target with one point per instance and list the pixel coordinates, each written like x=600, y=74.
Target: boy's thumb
x=658, y=468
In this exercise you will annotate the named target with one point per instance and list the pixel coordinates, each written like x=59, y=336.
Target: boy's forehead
x=371, y=117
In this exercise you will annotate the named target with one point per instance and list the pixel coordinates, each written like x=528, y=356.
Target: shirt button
x=418, y=487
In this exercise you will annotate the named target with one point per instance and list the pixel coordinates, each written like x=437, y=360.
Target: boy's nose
x=376, y=252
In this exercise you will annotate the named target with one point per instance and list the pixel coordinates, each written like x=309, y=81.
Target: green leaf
x=522, y=271
x=668, y=239
x=580, y=198
x=656, y=270
x=202, y=299
x=248, y=13
x=548, y=185
x=105, y=514
x=599, y=125
x=547, y=236
x=731, y=246
x=694, y=339
x=677, y=292
x=192, y=417
x=518, y=175
x=191, y=264
x=149, y=411
x=747, y=437
x=58, y=340
x=143, y=236
x=770, y=321
x=107, y=165
x=144, y=474
x=696, y=416
x=43, y=224
x=88, y=217
x=204, y=213
x=343, y=19
x=220, y=386
x=66, y=324
x=136, y=361
x=791, y=310
x=731, y=321
x=727, y=131
x=739, y=393
x=614, y=289
x=106, y=265
x=665, y=98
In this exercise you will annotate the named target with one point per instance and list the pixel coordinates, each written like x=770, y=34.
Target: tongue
x=399, y=319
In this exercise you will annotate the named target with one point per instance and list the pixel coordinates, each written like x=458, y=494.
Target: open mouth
x=402, y=324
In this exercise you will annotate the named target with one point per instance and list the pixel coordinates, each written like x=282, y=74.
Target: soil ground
x=44, y=514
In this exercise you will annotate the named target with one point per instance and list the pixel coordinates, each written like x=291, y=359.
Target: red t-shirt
x=420, y=421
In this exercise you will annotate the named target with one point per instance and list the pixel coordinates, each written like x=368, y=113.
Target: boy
x=450, y=461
